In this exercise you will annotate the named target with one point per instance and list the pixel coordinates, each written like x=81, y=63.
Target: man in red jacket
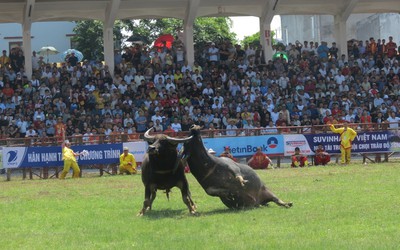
x=299, y=160
x=321, y=156
x=259, y=160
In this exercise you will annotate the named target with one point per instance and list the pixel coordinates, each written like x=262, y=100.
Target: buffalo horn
x=147, y=137
x=179, y=140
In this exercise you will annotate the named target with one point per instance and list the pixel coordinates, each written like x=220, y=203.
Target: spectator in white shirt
x=128, y=77
x=157, y=116
x=393, y=121
x=197, y=75
x=157, y=78
x=208, y=90
x=339, y=78
x=231, y=128
x=176, y=126
x=186, y=67
x=213, y=53
x=170, y=86
x=270, y=128
x=31, y=132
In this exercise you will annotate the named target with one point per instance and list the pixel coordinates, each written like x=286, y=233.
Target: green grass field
x=335, y=207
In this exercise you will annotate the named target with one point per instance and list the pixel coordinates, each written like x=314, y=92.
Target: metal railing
x=208, y=133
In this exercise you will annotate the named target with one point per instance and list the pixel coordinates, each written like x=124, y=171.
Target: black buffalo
x=237, y=185
x=162, y=169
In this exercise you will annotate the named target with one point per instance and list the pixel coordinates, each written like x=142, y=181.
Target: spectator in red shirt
x=321, y=156
x=391, y=48
x=335, y=109
x=298, y=159
x=346, y=69
x=259, y=160
x=366, y=120
x=8, y=91
x=227, y=153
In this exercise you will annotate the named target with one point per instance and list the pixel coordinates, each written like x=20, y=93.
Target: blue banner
x=394, y=140
x=246, y=146
x=26, y=157
x=365, y=142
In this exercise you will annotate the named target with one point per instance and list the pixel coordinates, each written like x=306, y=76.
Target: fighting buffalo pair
x=237, y=185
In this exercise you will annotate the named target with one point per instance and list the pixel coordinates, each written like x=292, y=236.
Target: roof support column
x=108, y=35
x=191, y=12
x=265, y=28
x=341, y=27
x=189, y=46
x=26, y=37
x=341, y=36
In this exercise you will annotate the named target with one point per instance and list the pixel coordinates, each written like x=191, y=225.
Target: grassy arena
x=335, y=207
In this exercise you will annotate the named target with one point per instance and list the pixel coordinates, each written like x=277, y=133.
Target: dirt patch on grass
x=44, y=193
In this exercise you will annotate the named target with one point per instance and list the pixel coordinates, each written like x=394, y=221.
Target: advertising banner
x=138, y=149
x=365, y=142
x=394, y=140
x=246, y=146
x=23, y=157
x=293, y=141
x=1, y=158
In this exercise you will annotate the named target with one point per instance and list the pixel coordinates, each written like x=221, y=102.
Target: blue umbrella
x=68, y=52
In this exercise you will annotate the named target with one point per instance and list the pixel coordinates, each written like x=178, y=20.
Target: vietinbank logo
x=272, y=142
x=242, y=146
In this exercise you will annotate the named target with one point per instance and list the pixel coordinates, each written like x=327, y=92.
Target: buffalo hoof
x=141, y=213
x=288, y=204
x=192, y=209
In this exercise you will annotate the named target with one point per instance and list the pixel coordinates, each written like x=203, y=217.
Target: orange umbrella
x=164, y=41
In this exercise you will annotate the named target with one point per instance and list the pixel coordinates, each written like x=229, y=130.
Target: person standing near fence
x=127, y=162
x=69, y=158
x=347, y=136
x=59, y=128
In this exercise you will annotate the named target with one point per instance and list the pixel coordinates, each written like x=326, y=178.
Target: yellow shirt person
x=127, y=162
x=68, y=154
x=69, y=158
x=347, y=135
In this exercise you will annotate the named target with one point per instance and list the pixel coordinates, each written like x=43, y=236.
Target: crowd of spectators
x=228, y=87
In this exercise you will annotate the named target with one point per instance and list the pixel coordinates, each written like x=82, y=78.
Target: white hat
x=211, y=151
x=126, y=148
x=385, y=97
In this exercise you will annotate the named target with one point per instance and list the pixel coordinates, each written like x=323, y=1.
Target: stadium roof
x=16, y=11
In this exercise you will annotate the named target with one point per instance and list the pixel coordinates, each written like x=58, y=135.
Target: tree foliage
x=213, y=29
x=204, y=28
x=251, y=40
x=89, y=33
x=89, y=37
x=255, y=39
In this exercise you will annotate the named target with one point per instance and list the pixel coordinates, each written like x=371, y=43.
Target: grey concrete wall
x=359, y=26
